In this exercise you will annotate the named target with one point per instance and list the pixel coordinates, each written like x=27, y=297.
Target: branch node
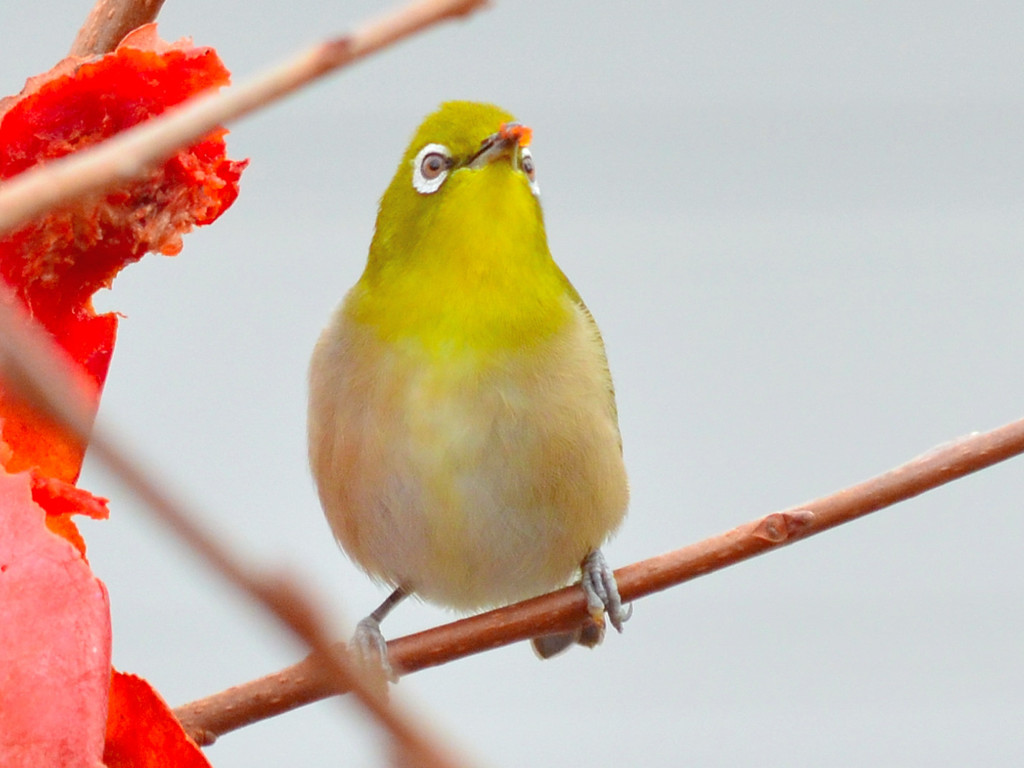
x=334, y=52
x=781, y=526
x=203, y=737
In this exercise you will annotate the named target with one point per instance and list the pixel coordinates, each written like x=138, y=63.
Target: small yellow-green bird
x=462, y=424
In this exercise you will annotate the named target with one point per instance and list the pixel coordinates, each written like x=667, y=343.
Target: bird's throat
x=479, y=277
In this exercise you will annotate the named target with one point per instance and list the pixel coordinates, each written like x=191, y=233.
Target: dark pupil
x=432, y=165
x=528, y=166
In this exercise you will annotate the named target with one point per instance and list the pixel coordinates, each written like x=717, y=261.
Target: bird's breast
x=471, y=476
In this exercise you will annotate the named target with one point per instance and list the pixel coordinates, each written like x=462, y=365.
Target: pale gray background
x=800, y=227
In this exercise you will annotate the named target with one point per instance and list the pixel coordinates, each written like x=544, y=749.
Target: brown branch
x=132, y=153
x=109, y=21
x=300, y=684
x=34, y=368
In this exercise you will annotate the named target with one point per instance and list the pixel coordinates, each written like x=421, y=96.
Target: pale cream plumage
x=471, y=482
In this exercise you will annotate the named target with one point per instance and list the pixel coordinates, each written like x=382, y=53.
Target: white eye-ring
x=430, y=168
x=530, y=170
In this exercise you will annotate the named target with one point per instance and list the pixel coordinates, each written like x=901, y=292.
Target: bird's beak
x=502, y=144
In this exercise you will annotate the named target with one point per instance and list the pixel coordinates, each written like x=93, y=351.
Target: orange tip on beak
x=517, y=132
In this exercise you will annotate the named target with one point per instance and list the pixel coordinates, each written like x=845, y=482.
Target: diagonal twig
x=34, y=368
x=131, y=153
x=562, y=610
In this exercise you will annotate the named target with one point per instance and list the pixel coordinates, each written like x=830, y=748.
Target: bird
x=462, y=427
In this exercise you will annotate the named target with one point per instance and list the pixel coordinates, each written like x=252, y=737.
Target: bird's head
x=459, y=256
x=467, y=178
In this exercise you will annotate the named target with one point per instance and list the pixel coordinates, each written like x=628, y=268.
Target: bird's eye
x=530, y=169
x=433, y=165
x=430, y=168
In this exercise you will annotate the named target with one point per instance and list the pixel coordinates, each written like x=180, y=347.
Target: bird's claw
x=602, y=592
x=370, y=649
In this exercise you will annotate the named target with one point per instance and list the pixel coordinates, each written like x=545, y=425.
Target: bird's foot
x=370, y=649
x=602, y=593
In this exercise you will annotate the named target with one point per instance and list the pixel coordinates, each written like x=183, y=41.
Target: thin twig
x=558, y=611
x=131, y=153
x=34, y=368
x=109, y=21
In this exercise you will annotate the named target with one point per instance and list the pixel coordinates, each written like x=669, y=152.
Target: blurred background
x=799, y=225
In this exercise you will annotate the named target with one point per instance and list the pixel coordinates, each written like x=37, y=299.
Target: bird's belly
x=475, y=482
